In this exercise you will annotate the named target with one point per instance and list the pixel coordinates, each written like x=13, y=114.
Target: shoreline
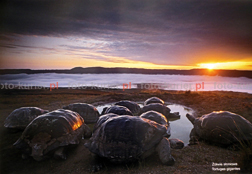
x=103, y=70
x=190, y=159
x=201, y=101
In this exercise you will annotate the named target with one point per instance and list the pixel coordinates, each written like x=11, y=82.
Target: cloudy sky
x=173, y=34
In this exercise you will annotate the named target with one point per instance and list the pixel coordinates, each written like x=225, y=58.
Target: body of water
x=180, y=128
x=127, y=81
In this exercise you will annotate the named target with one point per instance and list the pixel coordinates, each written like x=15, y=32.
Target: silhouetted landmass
x=101, y=70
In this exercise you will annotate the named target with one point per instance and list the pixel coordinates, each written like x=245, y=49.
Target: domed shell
x=155, y=116
x=158, y=108
x=50, y=131
x=222, y=127
x=132, y=106
x=119, y=110
x=153, y=100
x=125, y=138
x=87, y=111
x=159, y=118
x=102, y=119
x=21, y=117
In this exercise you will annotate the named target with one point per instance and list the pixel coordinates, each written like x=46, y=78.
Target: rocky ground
x=191, y=159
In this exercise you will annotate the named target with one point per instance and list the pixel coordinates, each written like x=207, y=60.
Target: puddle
x=100, y=107
x=180, y=128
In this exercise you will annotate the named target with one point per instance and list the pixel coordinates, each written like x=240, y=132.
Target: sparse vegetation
x=190, y=159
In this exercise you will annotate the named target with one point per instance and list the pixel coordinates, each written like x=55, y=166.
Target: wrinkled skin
x=176, y=143
x=119, y=110
x=21, y=117
x=161, y=109
x=122, y=139
x=87, y=111
x=159, y=118
x=153, y=100
x=132, y=106
x=221, y=128
x=50, y=132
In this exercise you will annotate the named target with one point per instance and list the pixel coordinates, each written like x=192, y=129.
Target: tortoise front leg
x=164, y=152
x=97, y=163
x=60, y=154
x=193, y=137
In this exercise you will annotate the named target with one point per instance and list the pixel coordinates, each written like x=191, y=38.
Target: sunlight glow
x=226, y=65
x=210, y=66
x=37, y=52
x=78, y=124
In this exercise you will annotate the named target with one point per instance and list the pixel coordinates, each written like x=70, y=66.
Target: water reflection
x=100, y=107
x=180, y=128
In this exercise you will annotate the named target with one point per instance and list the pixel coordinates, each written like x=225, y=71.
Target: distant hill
x=101, y=70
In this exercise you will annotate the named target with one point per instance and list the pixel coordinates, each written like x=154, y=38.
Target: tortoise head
x=191, y=118
x=166, y=111
x=104, y=110
x=65, y=107
x=196, y=123
x=174, y=116
x=45, y=111
x=23, y=146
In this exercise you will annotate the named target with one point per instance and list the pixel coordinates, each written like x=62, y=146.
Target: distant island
x=102, y=70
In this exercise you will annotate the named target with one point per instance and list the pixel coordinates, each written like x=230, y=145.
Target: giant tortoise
x=21, y=117
x=87, y=111
x=123, y=139
x=221, y=128
x=116, y=109
x=159, y=118
x=161, y=109
x=132, y=106
x=153, y=100
x=50, y=133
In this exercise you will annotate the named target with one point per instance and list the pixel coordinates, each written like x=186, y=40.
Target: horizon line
x=124, y=68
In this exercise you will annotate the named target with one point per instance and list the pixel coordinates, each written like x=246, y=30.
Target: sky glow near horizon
x=144, y=34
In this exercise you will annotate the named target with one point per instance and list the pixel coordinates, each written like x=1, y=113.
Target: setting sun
x=226, y=65
x=209, y=66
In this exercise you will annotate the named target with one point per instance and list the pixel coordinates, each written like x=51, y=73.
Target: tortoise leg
x=168, y=132
x=193, y=137
x=164, y=152
x=97, y=163
x=87, y=131
x=60, y=154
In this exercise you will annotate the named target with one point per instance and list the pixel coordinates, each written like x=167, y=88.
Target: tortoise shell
x=21, y=117
x=50, y=131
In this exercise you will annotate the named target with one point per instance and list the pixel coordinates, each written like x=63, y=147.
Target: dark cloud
x=141, y=27
x=20, y=49
x=7, y=46
x=70, y=16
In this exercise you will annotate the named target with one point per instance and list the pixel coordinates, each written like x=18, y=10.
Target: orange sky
x=156, y=35
x=61, y=61
x=62, y=58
